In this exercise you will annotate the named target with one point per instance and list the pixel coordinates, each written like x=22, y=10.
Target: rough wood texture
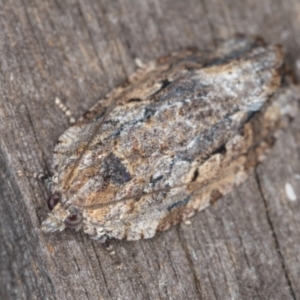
x=247, y=246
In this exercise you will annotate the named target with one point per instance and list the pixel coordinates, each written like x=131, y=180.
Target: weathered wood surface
x=247, y=246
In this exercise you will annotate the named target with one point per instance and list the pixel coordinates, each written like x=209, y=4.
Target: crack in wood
x=276, y=241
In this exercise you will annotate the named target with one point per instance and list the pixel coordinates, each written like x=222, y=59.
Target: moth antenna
x=65, y=110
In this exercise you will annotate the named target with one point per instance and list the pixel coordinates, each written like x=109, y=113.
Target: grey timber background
x=246, y=246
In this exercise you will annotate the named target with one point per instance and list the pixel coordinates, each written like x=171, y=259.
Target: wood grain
x=247, y=246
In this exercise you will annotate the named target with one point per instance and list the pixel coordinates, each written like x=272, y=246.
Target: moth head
x=61, y=217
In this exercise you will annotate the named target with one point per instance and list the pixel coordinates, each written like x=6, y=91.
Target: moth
x=185, y=130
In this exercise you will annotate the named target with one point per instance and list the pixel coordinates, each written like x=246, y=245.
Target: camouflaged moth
x=184, y=131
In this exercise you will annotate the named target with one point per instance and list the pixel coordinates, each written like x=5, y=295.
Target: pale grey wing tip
x=49, y=225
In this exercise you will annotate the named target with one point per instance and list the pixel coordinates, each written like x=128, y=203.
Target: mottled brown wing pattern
x=146, y=215
x=187, y=129
x=147, y=82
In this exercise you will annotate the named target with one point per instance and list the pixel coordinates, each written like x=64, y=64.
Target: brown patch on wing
x=171, y=218
x=214, y=196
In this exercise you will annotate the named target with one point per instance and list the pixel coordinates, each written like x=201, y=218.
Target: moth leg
x=108, y=246
x=45, y=178
x=98, y=235
x=187, y=222
x=140, y=64
x=142, y=70
x=65, y=110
